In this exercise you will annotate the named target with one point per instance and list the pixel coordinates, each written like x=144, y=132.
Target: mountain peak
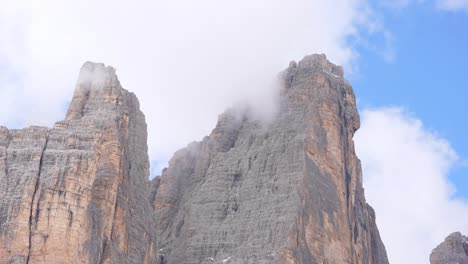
x=317, y=62
x=96, y=76
x=454, y=249
x=98, y=92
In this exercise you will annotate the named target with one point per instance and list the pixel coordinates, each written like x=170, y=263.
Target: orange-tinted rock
x=77, y=193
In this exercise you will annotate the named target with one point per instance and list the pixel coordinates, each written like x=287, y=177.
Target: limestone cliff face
x=286, y=191
x=289, y=191
x=454, y=250
x=77, y=193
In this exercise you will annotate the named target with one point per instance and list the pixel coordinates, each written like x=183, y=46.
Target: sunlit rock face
x=454, y=250
x=284, y=191
x=77, y=192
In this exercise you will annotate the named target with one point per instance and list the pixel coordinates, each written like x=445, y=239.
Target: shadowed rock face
x=454, y=250
x=289, y=191
x=78, y=192
x=286, y=191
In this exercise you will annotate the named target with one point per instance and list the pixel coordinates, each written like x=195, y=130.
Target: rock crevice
x=36, y=187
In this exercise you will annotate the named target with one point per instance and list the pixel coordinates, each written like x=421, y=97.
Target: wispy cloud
x=397, y=4
x=453, y=5
x=446, y=5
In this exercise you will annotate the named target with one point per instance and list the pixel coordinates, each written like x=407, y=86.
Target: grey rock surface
x=289, y=191
x=454, y=250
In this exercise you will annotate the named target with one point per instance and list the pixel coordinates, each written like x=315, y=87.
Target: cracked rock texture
x=286, y=191
x=78, y=192
x=454, y=250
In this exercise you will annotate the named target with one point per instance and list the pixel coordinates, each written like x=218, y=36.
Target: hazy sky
x=189, y=60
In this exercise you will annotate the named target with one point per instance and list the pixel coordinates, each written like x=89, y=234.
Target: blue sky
x=428, y=75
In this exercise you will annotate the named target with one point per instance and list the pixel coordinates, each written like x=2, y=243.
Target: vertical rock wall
x=77, y=193
x=289, y=191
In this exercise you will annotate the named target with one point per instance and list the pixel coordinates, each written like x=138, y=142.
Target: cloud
x=446, y=5
x=453, y=5
x=186, y=60
x=405, y=169
x=398, y=4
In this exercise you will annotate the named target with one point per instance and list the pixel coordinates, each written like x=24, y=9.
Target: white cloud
x=453, y=5
x=186, y=60
x=405, y=169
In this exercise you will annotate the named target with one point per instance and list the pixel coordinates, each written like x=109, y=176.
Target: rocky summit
x=454, y=250
x=284, y=191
